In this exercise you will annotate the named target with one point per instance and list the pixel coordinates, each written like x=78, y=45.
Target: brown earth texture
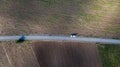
x=66, y=54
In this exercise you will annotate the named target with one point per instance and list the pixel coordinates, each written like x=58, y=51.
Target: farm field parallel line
x=57, y=54
x=7, y=56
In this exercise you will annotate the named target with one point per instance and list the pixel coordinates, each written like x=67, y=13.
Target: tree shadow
x=21, y=39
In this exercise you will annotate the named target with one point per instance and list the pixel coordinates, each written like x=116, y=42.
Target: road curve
x=62, y=38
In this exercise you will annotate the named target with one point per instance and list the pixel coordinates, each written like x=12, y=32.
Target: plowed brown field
x=66, y=54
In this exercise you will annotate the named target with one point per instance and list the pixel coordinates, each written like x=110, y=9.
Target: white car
x=73, y=35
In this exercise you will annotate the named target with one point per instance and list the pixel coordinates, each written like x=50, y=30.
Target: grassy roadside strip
x=110, y=55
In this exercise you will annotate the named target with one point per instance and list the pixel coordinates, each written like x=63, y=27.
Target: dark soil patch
x=67, y=54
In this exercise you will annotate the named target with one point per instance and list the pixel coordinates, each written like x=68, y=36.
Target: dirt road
x=66, y=54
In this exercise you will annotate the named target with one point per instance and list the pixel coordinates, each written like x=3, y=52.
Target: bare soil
x=17, y=55
x=66, y=54
x=49, y=54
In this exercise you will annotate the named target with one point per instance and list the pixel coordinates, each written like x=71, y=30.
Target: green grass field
x=97, y=18
x=110, y=55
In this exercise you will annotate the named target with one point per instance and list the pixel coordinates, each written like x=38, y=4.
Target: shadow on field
x=21, y=39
